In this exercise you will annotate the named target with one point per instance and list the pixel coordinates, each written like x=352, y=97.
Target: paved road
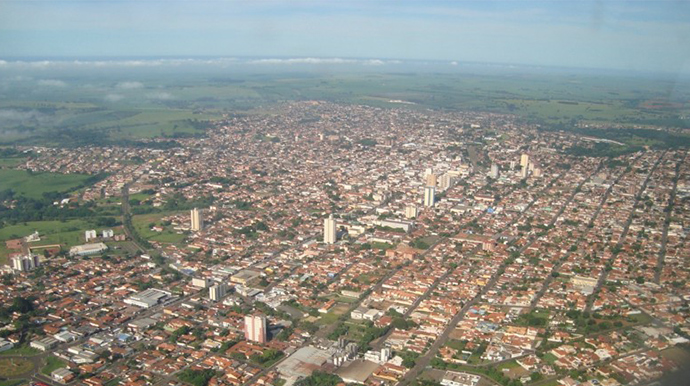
x=564, y=258
x=423, y=361
x=604, y=273
x=667, y=222
x=125, y=213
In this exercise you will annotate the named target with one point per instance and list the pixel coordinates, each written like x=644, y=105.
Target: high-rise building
x=494, y=171
x=429, y=196
x=411, y=211
x=524, y=159
x=25, y=263
x=197, y=220
x=329, y=230
x=431, y=179
x=447, y=181
x=255, y=328
x=524, y=171
x=217, y=292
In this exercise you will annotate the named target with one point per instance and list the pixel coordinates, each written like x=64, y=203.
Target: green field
x=169, y=235
x=33, y=185
x=13, y=382
x=21, y=350
x=52, y=364
x=10, y=162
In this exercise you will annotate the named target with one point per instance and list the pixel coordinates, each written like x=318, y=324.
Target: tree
x=319, y=378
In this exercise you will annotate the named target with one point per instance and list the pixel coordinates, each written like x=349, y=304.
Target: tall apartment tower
x=197, y=220
x=447, y=181
x=494, y=171
x=329, y=230
x=217, y=292
x=411, y=211
x=255, y=328
x=524, y=159
x=429, y=196
x=431, y=179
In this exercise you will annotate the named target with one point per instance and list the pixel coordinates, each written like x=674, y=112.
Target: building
x=108, y=233
x=429, y=196
x=524, y=160
x=90, y=235
x=25, y=263
x=201, y=282
x=524, y=171
x=5, y=344
x=245, y=276
x=148, y=298
x=494, y=171
x=447, y=181
x=431, y=179
x=33, y=237
x=255, y=328
x=62, y=375
x=395, y=224
x=329, y=230
x=411, y=211
x=44, y=344
x=217, y=292
x=197, y=220
x=88, y=249
x=454, y=378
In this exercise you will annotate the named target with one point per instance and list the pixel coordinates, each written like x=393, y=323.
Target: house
x=62, y=375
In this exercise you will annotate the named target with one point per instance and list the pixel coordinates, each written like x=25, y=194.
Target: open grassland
x=142, y=224
x=52, y=364
x=33, y=185
x=10, y=162
x=14, y=367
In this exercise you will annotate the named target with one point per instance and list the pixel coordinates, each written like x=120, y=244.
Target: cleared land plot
x=33, y=185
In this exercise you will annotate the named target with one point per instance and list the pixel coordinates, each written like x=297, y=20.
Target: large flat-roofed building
x=44, y=344
x=88, y=249
x=454, y=378
x=148, y=298
x=245, y=276
x=404, y=225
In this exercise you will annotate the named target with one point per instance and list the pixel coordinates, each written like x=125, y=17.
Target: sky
x=628, y=35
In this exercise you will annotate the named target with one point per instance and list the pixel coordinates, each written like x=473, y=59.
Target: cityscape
x=350, y=193
x=379, y=245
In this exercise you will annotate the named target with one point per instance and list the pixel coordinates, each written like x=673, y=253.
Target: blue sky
x=631, y=35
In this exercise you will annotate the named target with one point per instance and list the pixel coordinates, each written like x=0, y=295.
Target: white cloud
x=289, y=61
x=129, y=85
x=113, y=97
x=161, y=95
x=453, y=63
x=13, y=117
x=304, y=61
x=52, y=83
